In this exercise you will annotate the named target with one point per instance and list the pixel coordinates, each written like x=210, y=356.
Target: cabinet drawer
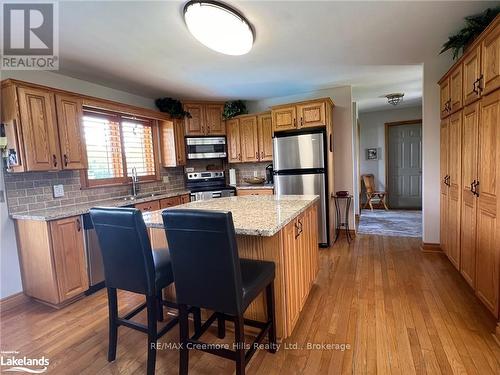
x=148, y=206
x=254, y=191
x=169, y=202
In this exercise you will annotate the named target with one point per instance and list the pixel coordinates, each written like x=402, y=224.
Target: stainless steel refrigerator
x=299, y=162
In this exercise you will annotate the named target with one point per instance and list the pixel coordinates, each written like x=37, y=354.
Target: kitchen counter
x=83, y=208
x=253, y=215
x=254, y=187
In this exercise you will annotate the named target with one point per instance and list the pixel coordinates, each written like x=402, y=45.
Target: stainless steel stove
x=208, y=185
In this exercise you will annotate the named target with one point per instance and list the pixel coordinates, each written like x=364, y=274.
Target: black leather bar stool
x=130, y=264
x=208, y=273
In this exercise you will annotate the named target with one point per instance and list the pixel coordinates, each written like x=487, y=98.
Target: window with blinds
x=115, y=146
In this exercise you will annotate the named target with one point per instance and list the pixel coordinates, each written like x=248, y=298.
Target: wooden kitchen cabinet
x=52, y=258
x=471, y=73
x=39, y=128
x=249, y=141
x=172, y=143
x=205, y=120
x=233, y=141
x=444, y=184
x=148, y=206
x=71, y=137
x=284, y=118
x=254, y=191
x=444, y=87
x=456, y=91
x=170, y=202
x=490, y=57
x=185, y=198
x=265, y=134
x=311, y=114
x=69, y=257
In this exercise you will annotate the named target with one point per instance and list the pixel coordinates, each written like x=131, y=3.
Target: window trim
x=87, y=183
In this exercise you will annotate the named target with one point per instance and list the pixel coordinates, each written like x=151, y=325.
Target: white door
x=405, y=166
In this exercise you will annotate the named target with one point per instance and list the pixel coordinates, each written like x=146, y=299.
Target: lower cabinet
x=53, y=265
x=254, y=191
x=148, y=206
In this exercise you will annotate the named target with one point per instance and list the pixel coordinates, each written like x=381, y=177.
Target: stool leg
x=239, y=340
x=160, y=306
x=113, y=326
x=271, y=317
x=152, y=307
x=197, y=321
x=221, y=326
x=184, y=335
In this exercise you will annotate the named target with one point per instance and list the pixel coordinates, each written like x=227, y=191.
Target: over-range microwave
x=206, y=147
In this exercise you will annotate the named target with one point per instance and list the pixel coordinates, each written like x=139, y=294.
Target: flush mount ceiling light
x=395, y=98
x=219, y=27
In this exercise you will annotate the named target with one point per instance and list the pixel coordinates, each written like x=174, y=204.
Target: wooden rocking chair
x=371, y=194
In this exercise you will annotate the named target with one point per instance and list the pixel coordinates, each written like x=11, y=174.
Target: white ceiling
x=144, y=47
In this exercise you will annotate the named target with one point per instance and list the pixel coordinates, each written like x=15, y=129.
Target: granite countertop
x=83, y=208
x=254, y=187
x=253, y=215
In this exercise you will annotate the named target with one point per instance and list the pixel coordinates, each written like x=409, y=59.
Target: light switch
x=58, y=191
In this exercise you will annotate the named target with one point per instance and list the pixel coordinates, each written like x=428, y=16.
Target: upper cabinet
x=39, y=129
x=308, y=114
x=72, y=141
x=471, y=73
x=173, y=148
x=456, y=89
x=250, y=138
x=206, y=119
x=490, y=53
x=445, y=106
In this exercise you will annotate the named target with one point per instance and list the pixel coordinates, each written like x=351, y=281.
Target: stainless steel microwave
x=206, y=148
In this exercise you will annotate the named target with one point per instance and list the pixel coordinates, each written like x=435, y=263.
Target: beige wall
x=343, y=130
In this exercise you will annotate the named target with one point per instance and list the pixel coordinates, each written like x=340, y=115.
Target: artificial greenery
x=172, y=106
x=234, y=108
x=474, y=25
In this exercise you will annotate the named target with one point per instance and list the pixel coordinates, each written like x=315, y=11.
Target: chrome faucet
x=135, y=181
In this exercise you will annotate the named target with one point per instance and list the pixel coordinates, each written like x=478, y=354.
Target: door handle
x=78, y=225
x=301, y=121
x=257, y=155
x=479, y=84
x=476, y=193
x=295, y=122
x=65, y=157
x=54, y=160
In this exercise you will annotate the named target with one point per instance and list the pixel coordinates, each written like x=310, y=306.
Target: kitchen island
x=278, y=229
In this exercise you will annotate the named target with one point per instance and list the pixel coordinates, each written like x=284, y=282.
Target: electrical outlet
x=255, y=174
x=166, y=180
x=58, y=191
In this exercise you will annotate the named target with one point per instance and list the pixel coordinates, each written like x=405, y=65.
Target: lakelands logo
x=15, y=363
x=30, y=36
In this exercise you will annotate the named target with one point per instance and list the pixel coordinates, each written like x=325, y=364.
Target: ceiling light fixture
x=395, y=98
x=219, y=27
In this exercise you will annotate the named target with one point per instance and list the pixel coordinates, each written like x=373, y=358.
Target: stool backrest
x=126, y=250
x=369, y=181
x=205, y=259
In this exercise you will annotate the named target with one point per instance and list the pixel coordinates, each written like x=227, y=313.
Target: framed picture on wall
x=371, y=154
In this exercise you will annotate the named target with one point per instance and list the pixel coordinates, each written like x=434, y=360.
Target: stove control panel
x=209, y=175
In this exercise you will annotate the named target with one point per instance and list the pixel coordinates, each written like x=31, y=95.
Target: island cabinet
x=44, y=129
x=250, y=138
x=205, y=119
x=307, y=114
x=293, y=249
x=52, y=257
x=172, y=143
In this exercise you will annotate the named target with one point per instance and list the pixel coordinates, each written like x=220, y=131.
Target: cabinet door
x=213, y=119
x=168, y=144
x=490, y=50
x=169, y=202
x=284, y=118
x=444, y=186
x=71, y=137
x=488, y=204
x=194, y=124
x=69, y=257
x=292, y=267
x=471, y=72
x=311, y=114
x=249, y=140
x=233, y=141
x=185, y=198
x=469, y=201
x=39, y=128
x=456, y=89
x=455, y=183
x=445, y=97
x=265, y=137
x=148, y=206
x=180, y=142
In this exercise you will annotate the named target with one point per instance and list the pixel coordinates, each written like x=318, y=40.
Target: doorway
x=404, y=164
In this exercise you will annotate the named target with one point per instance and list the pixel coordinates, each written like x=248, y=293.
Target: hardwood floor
x=396, y=309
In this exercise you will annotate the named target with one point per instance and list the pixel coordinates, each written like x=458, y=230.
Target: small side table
x=342, y=222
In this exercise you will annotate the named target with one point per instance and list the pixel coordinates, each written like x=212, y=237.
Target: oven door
x=206, y=148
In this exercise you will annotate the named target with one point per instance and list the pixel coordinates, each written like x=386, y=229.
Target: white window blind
x=104, y=150
x=138, y=147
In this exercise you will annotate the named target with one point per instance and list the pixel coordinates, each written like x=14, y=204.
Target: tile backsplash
x=34, y=191
x=245, y=170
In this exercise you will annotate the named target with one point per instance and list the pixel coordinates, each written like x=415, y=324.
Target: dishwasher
x=95, y=267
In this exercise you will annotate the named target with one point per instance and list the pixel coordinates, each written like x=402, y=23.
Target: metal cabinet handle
x=476, y=192
x=480, y=87
x=301, y=121
x=257, y=155
x=54, y=160
x=78, y=225
x=472, y=187
x=239, y=156
x=295, y=122
x=65, y=157
x=262, y=155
